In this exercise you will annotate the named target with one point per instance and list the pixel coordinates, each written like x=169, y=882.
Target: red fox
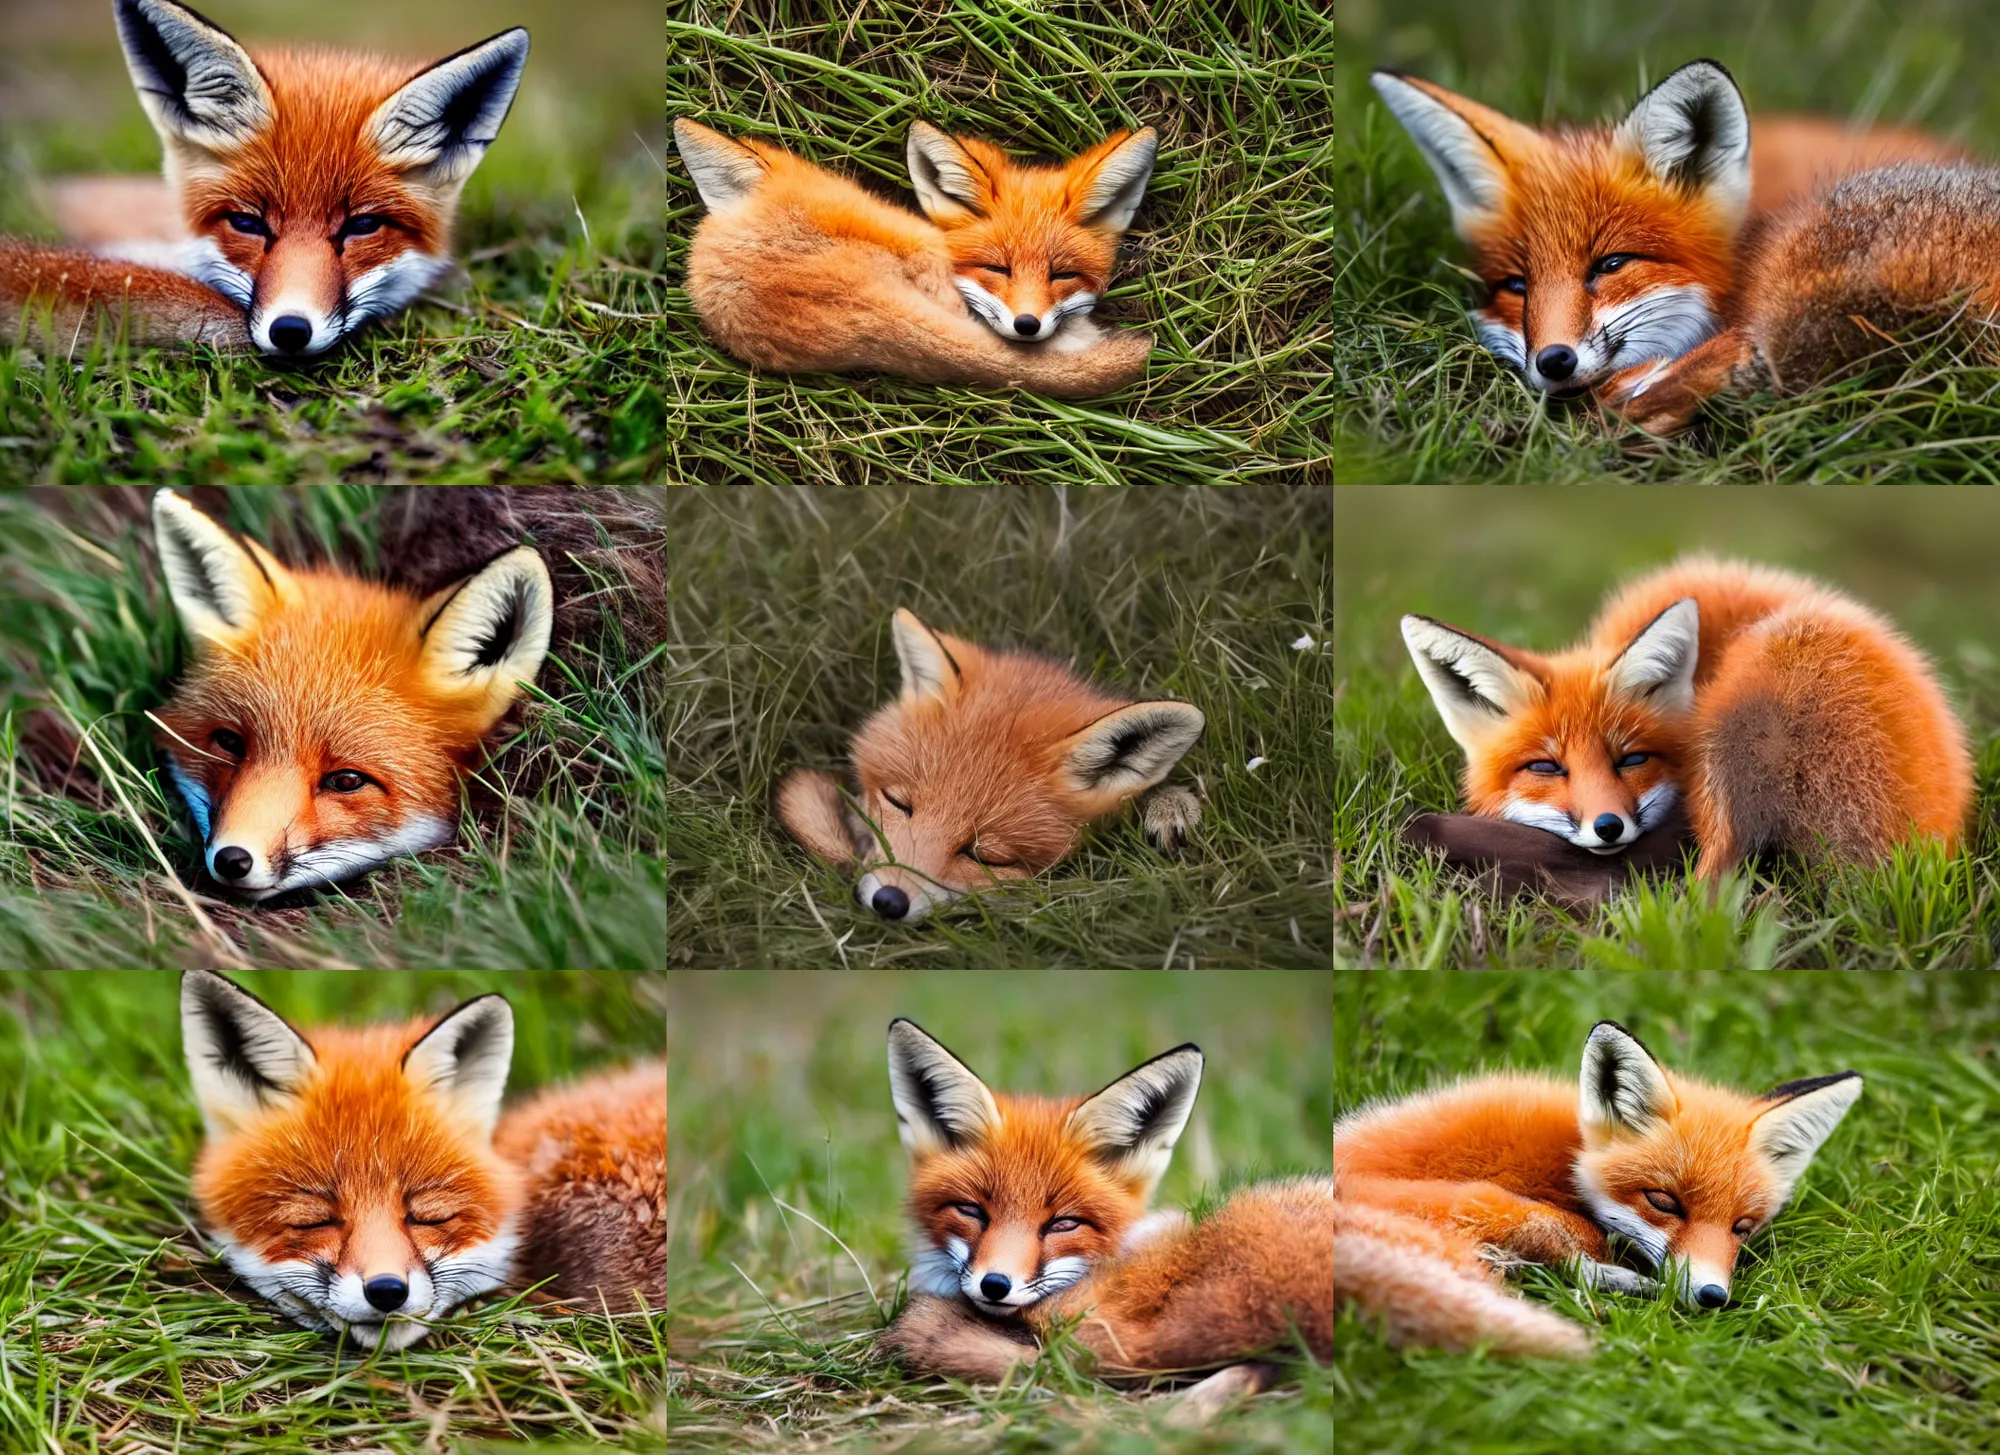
x=1790, y=717
x=796, y=268
x=355, y=1176
x=1683, y=1172
x=986, y=768
x=306, y=192
x=1031, y=1211
x=325, y=720
x=1607, y=252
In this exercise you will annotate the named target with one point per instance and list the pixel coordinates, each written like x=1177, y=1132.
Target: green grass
x=778, y=1113
x=118, y=1330
x=1867, y=1320
x=1528, y=567
x=778, y=647
x=562, y=870
x=1422, y=401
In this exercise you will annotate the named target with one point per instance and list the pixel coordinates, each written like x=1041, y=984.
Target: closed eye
x=1632, y=760
x=972, y=1210
x=995, y=269
x=312, y=1227
x=1664, y=1202
x=1548, y=767
x=1064, y=1225
x=417, y=1222
x=986, y=860
x=901, y=805
x=1064, y=277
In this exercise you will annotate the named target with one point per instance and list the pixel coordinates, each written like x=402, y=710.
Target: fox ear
x=1623, y=1090
x=1131, y=1126
x=1469, y=147
x=724, y=171
x=1802, y=1116
x=197, y=84
x=929, y=669
x=1131, y=748
x=441, y=122
x=464, y=1059
x=1658, y=667
x=951, y=186
x=1118, y=183
x=1472, y=683
x=1693, y=131
x=940, y=1104
x=220, y=583
x=490, y=632
x=242, y=1056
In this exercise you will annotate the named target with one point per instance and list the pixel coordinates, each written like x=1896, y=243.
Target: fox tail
x=57, y=298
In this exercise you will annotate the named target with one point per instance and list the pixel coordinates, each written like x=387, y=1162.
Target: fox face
x=1588, y=745
x=324, y=722
x=350, y=1178
x=1686, y=1172
x=1017, y=1198
x=1031, y=246
x=1597, y=249
x=318, y=189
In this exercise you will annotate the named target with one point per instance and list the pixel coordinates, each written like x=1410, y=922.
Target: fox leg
x=809, y=805
x=1529, y=1230
x=1202, y=1402
x=1170, y=813
x=936, y=1335
x=1663, y=395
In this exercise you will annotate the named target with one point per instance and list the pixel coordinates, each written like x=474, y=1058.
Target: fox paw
x=1170, y=814
x=1611, y=1278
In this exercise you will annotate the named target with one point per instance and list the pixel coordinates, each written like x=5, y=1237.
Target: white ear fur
x=928, y=670
x=1658, y=667
x=1471, y=173
x=492, y=630
x=220, y=584
x=1693, y=131
x=1622, y=1088
x=949, y=183
x=463, y=1059
x=939, y=1103
x=1131, y=748
x=242, y=1056
x=1131, y=1126
x=196, y=83
x=1473, y=686
x=1791, y=1133
x=724, y=171
x=1120, y=184
x=441, y=122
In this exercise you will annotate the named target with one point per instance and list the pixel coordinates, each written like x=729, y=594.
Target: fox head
x=1015, y=1197
x=1590, y=744
x=1688, y=1172
x=324, y=721
x=1031, y=244
x=319, y=188
x=349, y=1176
x=1597, y=248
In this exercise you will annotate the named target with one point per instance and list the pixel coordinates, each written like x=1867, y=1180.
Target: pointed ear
x=1802, y=1116
x=441, y=122
x=928, y=667
x=1131, y=1126
x=1122, y=167
x=952, y=187
x=1131, y=748
x=221, y=584
x=241, y=1055
x=724, y=171
x=1658, y=667
x=463, y=1059
x=940, y=1104
x=196, y=83
x=1623, y=1090
x=1470, y=147
x=1693, y=131
x=490, y=632
x=1472, y=682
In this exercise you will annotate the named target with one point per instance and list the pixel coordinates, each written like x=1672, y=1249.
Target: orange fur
x=61, y=298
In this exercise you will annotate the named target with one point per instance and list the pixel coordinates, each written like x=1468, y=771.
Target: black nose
x=1027, y=325
x=995, y=1286
x=292, y=333
x=890, y=902
x=232, y=863
x=1557, y=361
x=1610, y=827
x=1711, y=1295
x=386, y=1291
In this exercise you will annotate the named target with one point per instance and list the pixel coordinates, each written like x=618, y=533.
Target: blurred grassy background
x=1866, y=1321
x=778, y=1091
x=1529, y=566
x=1420, y=400
x=117, y=1329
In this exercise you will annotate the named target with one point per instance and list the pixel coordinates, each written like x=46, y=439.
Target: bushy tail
x=57, y=299
x=1430, y=1288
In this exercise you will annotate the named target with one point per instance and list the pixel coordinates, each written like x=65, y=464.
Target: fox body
x=1786, y=715
x=1682, y=1171
x=324, y=722
x=1032, y=1212
x=1607, y=253
x=306, y=191
x=354, y=1176
x=986, y=768
x=797, y=268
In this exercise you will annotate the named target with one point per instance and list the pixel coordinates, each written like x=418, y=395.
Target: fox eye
x=345, y=780
x=1664, y=1202
x=360, y=225
x=970, y=1209
x=1064, y=277
x=987, y=861
x=1064, y=1225
x=901, y=805
x=1744, y=1227
x=995, y=269
x=1513, y=283
x=313, y=1227
x=417, y=1222
x=1549, y=767
x=228, y=741
x=1611, y=263
x=249, y=223
x=1632, y=760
